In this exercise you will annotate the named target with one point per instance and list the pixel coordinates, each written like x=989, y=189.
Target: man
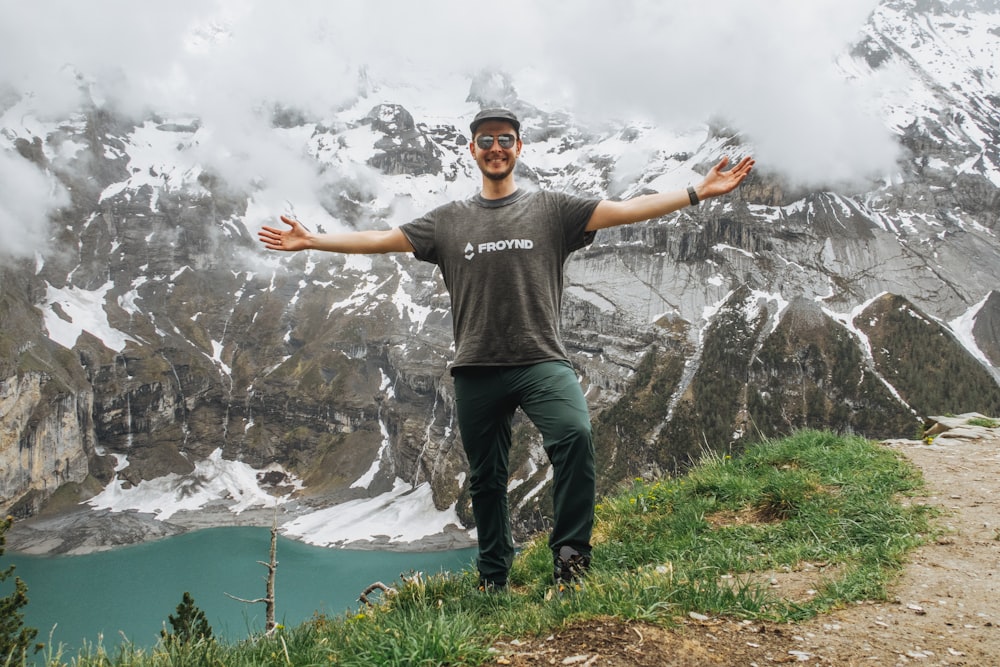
x=502, y=255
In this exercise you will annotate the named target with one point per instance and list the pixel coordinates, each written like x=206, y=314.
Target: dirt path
x=945, y=611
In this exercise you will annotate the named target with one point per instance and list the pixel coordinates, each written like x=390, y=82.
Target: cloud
x=766, y=69
x=27, y=197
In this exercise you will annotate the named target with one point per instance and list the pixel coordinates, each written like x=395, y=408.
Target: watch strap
x=692, y=195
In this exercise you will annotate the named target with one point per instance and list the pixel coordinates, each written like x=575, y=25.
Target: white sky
x=767, y=69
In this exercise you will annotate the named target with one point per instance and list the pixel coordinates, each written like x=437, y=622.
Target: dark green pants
x=550, y=395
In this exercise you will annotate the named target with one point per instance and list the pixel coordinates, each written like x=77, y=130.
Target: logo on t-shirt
x=498, y=246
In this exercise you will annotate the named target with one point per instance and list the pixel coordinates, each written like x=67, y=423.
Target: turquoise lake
x=129, y=592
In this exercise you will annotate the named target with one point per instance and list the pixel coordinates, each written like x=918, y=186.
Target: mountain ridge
x=153, y=332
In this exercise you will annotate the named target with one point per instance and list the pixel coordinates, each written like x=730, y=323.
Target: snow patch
x=405, y=514
x=591, y=297
x=212, y=479
x=368, y=477
x=962, y=328
x=69, y=311
x=405, y=305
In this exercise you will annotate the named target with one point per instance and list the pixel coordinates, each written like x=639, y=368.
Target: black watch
x=693, y=196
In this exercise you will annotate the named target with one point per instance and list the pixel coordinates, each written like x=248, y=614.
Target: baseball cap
x=495, y=114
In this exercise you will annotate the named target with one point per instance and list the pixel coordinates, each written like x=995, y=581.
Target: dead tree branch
x=377, y=586
x=272, y=568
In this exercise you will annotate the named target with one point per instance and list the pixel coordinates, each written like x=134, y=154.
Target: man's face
x=496, y=162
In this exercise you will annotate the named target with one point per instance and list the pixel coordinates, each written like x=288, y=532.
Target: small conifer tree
x=15, y=637
x=189, y=625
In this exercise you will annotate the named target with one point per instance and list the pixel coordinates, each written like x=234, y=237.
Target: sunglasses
x=485, y=141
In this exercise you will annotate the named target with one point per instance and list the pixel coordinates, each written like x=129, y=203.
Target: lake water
x=130, y=591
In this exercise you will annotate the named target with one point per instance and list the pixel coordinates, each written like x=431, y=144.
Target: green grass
x=707, y=542
x=983, y=421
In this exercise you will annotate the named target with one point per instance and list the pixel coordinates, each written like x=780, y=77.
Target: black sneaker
x=570, y=568
x=490, y=586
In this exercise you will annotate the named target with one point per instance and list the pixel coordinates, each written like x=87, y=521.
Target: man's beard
x=498, y=175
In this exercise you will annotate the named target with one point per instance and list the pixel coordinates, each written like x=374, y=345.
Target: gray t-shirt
x=503, y=263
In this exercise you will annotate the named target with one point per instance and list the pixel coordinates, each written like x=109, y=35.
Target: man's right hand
x=297, y=237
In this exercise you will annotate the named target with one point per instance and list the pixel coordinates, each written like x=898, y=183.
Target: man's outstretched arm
x=368, y=242
x=717, y=182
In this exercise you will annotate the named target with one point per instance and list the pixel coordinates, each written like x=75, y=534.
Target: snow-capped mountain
x=154, y=340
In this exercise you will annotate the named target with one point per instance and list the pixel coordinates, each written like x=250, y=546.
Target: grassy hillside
x=827, y=511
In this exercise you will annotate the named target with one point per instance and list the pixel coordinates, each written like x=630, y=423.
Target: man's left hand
x=718, y=182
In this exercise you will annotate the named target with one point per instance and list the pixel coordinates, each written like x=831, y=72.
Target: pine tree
x=189, y=625
x=15, y=637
